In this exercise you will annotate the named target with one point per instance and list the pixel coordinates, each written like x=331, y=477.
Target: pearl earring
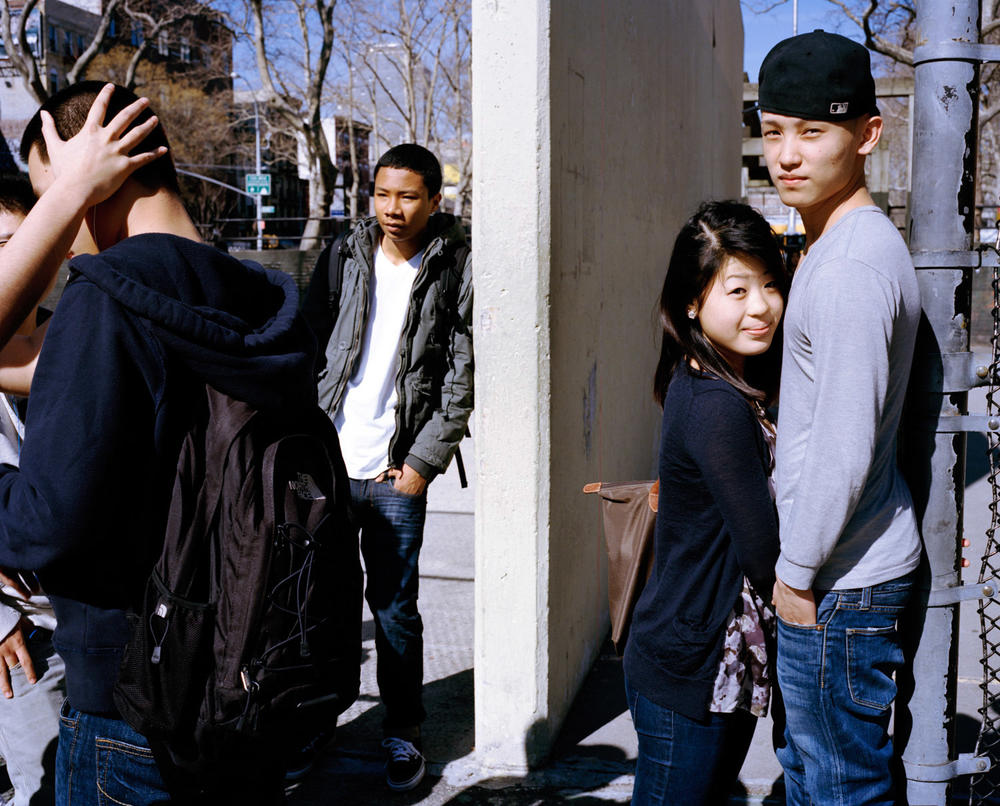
x=692, y=313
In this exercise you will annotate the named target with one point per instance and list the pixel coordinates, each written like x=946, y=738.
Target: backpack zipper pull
x=162, y=612
x=250, y=687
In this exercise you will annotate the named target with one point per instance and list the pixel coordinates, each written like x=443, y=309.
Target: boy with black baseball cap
x=849, y=540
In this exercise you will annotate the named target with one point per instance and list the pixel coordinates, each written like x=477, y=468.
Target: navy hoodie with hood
x=138, y=329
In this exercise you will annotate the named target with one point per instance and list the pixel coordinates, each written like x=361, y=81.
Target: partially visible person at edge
x=31, y=671
x=395, y=374
x=140, y=327
x=849, y=540
x=697, y=662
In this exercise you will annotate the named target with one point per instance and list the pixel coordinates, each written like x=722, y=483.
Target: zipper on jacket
x=359, y=326
x=434, y=248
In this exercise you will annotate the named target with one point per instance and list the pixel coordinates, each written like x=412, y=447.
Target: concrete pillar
x=600, y=125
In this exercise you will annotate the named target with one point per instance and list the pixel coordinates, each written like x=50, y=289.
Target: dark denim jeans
x=683, y=761
x=837, y=681
x=392, y=532
x=104, y=761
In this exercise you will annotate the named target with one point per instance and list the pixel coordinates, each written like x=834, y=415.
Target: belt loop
x=866, y=598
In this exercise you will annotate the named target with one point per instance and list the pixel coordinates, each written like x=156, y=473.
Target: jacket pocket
x=690, y=647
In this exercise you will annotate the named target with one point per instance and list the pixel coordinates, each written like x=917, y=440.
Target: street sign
x=258, y=183
x=267, y=208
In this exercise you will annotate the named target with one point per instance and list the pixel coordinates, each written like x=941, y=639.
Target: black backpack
x=336, y=255
x=250, y=628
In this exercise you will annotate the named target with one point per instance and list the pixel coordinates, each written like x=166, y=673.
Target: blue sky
x=762, y=31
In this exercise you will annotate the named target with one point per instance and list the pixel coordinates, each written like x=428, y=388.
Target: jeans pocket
x=873, y=654
x=126, y=773
x=68, y=715
x=391, y=483
x=650, y=719
x=793, y=626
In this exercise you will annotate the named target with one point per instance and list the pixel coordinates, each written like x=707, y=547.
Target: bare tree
x=413, y=62
x=889, y=29
x=191, y=97
x=25, y=59
x=887, y=26
x=404, y=44
x=352, y=193
x=345, y=98
x=400, y=67
x=762, y=6
x=458, y=74
x=156, y=18
x=293, y=43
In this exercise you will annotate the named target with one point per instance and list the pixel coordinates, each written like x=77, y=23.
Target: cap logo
x=838, y=109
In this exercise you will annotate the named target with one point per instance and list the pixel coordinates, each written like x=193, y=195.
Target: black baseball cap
x=818, y=76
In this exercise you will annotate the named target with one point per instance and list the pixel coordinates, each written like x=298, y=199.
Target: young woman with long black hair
x=697, y=659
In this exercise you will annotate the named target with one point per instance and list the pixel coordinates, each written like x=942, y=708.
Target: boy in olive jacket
x=395, y=375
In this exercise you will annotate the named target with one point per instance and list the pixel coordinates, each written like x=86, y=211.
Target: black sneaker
x=299, y=763
x=404, y=764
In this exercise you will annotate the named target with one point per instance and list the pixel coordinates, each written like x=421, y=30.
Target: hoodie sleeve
x=438, y=440
x=89, y=442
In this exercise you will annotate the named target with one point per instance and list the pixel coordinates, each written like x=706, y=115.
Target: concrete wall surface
x=600, y=125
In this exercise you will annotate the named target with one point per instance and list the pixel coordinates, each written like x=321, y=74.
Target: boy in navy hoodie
x=141, y=326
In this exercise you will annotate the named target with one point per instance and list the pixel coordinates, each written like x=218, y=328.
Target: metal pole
x=256, y=131
x=941, y=223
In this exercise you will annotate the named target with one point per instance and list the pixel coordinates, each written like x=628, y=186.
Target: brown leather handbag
x=629, y=510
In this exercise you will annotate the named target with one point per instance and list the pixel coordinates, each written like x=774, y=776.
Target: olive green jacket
x=434, y=382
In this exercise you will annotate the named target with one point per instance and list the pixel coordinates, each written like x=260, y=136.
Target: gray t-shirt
x=845, y=514
x=37, y=609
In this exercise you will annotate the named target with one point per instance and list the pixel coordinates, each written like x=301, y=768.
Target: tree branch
x=874, y=41
x=96, y=41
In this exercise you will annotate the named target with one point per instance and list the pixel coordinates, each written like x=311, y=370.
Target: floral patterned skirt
x=744, y=679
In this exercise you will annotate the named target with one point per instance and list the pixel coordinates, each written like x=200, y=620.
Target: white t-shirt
x=367, y=417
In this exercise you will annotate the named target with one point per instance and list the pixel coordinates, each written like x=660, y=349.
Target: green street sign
x=258, y=184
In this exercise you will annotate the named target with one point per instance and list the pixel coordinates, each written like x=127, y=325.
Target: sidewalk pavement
x=594, y=758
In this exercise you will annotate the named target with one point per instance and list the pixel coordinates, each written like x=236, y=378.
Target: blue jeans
x=686, y=762
x=29, y=722
x=837, y=682
x=392, y=532
x=104, y=761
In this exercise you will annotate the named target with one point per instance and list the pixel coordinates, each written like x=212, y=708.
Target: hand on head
x=95, y=162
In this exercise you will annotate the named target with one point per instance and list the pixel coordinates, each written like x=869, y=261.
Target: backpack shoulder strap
x=336, y=258
x=455, y=268
x=451, y=276
x=452, y=284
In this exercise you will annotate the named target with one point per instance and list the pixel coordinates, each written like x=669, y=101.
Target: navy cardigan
x=716, y=524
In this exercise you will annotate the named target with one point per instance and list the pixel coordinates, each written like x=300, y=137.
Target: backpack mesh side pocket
x=166, y=664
